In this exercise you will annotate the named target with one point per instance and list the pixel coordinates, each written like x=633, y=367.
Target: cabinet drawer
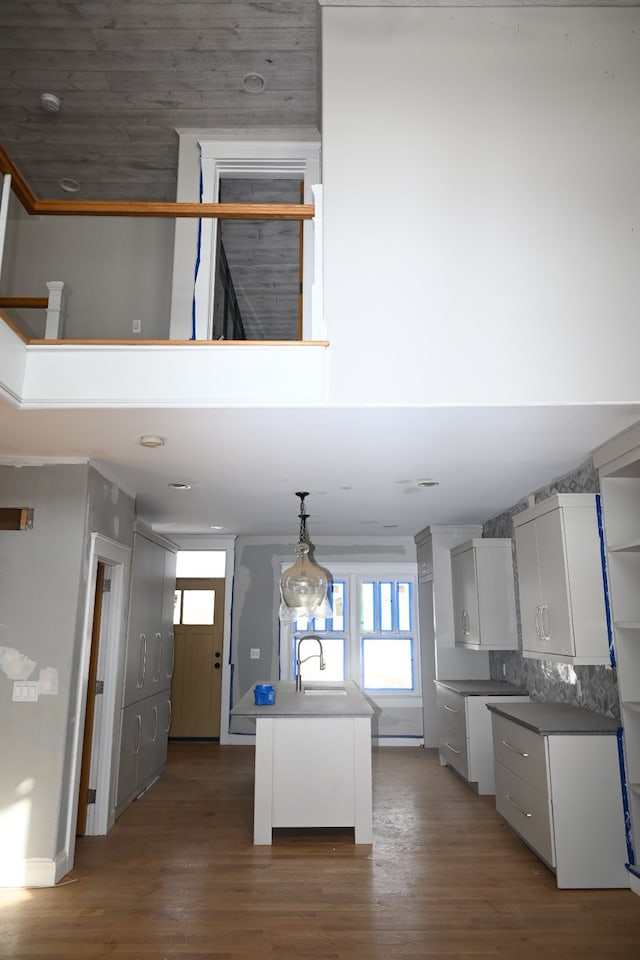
x=527, y=810
x=453, y=748
x=520, y=750
x=452, y=710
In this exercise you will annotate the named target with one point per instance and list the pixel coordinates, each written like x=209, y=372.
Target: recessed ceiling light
x=149, y=440
x=180, y=486
x=69, y=185
x=214, y=526
x=254, y=82
x=427, y=483
x=50, y=103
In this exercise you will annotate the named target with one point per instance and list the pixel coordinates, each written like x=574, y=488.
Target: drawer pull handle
x=450, y=709
x=519, y=809
x=453, y=749
x=513, y=749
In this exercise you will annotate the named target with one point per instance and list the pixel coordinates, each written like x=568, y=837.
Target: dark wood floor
x=178, y=878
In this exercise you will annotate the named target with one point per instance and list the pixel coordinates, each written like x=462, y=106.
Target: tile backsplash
x=592, y=687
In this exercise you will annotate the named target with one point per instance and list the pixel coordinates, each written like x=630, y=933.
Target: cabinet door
x=554, y=616
x=152, y=598
x=166, y=626
x=153, y=740
x=465, y=598
x=135, y=667
x=528, y=583
x=130, y=745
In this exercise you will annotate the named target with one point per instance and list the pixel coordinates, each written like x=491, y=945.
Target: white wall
x=482, y=210
x=114, y=269
x=43, y=583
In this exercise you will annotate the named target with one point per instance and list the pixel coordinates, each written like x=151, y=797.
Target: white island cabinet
x=557, y=787
x=313, y=759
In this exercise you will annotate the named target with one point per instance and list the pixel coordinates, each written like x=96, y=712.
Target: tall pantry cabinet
x=618, y=464
x=146, y=705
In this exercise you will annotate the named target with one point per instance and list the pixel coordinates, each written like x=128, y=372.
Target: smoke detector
x=50, y=103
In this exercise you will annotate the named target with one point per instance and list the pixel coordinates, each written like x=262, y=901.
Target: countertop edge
x=474, y=688
x=576, y=724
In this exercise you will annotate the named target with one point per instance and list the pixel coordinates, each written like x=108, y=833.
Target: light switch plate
x=255, y=653
x=25, y=690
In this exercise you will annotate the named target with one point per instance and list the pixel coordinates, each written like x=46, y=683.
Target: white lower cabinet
x=558, y=792
x=143, y=746
x=464, y=728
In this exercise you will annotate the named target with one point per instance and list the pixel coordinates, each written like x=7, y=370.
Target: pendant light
x=304, y=585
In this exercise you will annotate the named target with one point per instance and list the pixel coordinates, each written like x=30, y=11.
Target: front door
x=196, y=685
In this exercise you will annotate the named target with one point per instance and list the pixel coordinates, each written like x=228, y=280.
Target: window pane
x=386, y=607
x=201, y=563
x=404, y=606
x=322, y=624
x=337, y=605
x=334, y=649
x=197, y=606
x=387, y=664
x=367, y=607
x=176, y=606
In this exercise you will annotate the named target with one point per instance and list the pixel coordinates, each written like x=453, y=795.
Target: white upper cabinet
x=560, y=581
x=483, y=595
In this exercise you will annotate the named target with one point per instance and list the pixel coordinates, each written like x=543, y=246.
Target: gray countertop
x=482, y=688
x=289, y=703
x=558, y=718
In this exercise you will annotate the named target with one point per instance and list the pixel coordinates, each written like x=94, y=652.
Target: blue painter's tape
x=625, y=800
x=605, y=581
x=197, y=269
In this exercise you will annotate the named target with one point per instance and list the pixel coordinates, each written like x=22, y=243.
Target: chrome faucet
x=299, y=662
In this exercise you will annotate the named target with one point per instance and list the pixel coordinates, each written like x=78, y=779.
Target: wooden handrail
x=25, y=303
x=108, y=208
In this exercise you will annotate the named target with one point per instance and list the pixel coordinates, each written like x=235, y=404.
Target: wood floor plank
x=178, y=878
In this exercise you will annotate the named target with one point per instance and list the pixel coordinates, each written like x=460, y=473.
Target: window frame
x=353, y=574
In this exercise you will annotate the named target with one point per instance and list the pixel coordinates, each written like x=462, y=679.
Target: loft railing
x=104, y=209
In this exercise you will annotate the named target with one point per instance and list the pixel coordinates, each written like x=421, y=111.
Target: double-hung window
x=371, y=636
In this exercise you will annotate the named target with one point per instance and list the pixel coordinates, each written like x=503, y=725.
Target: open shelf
x=630, y=546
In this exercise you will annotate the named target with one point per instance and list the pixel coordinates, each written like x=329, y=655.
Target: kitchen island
x=313, y=758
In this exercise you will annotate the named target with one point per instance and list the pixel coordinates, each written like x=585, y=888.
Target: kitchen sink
x=325, y=691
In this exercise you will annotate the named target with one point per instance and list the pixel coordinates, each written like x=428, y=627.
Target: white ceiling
x=361, y=466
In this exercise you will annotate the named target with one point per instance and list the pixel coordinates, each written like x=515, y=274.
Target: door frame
x=196, y=541
x=104, y=754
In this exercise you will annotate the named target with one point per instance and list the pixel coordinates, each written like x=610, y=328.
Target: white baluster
x=54, y=324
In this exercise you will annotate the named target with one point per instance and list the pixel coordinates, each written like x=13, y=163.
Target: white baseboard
x=36, y=872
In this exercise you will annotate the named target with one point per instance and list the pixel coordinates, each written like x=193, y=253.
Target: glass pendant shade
x=304, y=585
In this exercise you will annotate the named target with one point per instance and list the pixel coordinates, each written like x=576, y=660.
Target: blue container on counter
x=264, y=694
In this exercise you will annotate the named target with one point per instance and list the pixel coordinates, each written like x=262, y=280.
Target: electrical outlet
x=255, y=653
x=137, y=325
